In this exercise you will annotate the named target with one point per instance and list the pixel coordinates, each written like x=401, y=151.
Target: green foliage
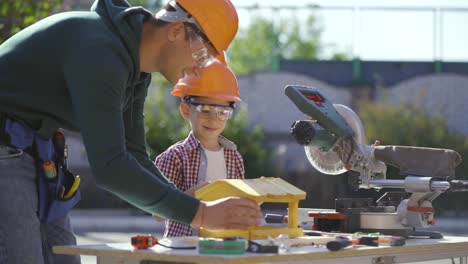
x=340, y=56
x=408, y=124
x=264, y=43
x=16, y=15
x=153, y=5
x=254, y=48
x=301, y=43
x=165, y=126
x=251, y=144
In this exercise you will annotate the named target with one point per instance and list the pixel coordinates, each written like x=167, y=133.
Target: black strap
x=4, y=137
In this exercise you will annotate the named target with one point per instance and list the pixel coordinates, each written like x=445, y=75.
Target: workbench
x=415, y=250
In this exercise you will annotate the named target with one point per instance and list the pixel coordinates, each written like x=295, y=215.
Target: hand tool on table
x=373, y=241
x=147, y=241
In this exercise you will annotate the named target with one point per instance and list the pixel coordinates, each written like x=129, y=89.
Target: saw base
x=381, y=219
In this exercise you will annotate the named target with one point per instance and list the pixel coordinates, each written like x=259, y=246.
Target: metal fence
x=433, y=33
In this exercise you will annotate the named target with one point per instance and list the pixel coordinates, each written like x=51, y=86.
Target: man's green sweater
x=80, y=71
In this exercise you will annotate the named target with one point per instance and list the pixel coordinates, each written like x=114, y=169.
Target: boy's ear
x=184, y=110
x=176, y=31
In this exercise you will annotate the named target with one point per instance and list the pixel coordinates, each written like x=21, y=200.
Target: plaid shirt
x=185, y=164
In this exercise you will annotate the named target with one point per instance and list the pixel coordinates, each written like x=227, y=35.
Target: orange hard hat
x=218, y=20
x=215, y=81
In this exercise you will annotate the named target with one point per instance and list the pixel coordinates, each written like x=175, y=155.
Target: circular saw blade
x=328, y=162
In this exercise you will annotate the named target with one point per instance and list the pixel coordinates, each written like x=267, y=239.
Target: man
x=89, y=72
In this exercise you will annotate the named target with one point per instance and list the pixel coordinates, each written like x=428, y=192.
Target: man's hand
x=228, y=213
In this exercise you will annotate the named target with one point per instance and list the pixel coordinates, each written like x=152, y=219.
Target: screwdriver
x=60, y=148
x=342, y=242
x=49, y=169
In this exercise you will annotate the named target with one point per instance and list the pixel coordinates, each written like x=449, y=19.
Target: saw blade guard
x=328, y=162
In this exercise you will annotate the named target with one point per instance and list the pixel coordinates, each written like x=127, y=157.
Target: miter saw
x=334, y=142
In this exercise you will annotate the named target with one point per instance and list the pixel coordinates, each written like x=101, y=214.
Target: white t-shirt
x=216, y=168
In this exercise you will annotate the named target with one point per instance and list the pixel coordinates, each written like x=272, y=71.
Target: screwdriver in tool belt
x=49, y=169
x=60, y=147
x=73, y=188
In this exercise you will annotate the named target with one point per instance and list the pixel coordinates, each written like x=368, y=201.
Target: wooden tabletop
x=413, y=246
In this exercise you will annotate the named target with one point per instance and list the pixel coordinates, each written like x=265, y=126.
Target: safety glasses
x=175, y=13
x=198, y=45
x=206, y=111
x=195, y=28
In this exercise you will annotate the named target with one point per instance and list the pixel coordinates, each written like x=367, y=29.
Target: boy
x=207, y=102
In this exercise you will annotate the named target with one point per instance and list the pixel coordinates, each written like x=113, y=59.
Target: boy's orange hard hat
x=216, y=81
x=217, y=18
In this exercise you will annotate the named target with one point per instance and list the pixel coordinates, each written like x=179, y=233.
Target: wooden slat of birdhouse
x=269, y=187
x=265, y=188
x=287, y=187
x=245, y=186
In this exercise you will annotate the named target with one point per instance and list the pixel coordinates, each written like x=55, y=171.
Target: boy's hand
x=192, y=190
x=228, y=213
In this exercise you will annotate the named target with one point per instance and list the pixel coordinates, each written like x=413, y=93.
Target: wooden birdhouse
x=271, y=190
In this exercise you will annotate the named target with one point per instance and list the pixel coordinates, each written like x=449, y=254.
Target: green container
x=222, y=246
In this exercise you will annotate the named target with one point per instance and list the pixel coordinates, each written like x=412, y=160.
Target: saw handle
x=312, y=103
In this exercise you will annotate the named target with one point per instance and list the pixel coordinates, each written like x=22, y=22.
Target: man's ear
x=176, y=31
x=184, y=110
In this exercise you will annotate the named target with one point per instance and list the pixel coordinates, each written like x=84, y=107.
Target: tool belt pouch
x=52, y=205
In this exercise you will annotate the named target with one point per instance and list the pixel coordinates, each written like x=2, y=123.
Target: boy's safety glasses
x=206, y=111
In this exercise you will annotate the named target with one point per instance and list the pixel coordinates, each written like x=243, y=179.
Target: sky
x=408, y=30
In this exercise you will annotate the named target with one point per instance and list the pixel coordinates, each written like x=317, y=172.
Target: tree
x=263, y=44
x=254, y=48
x=152, y=5
x=301, y=43
x=16, y=15
x=164, y=124
x=408, y=124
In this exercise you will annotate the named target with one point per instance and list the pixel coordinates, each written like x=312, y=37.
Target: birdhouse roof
x=261, y=190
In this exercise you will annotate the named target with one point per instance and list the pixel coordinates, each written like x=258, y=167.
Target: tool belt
x=56, y=194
